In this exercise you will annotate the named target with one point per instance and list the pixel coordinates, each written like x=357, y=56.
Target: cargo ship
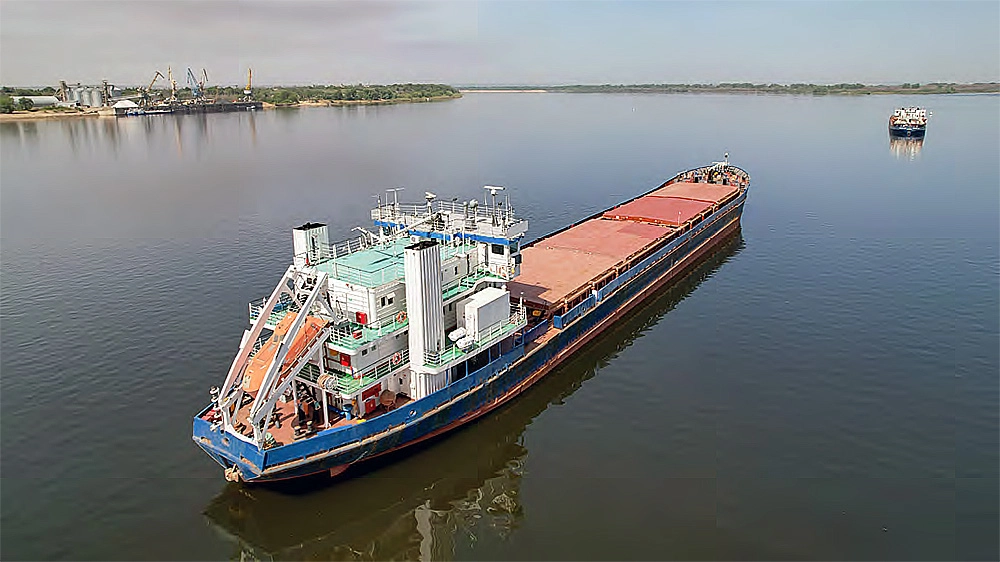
x=439, y=315
x=423, y=501
x=908, y=122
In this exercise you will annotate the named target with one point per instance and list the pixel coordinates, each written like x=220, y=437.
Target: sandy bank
x=40, y=115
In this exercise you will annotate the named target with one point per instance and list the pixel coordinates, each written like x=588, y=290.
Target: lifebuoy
x=397, y=358
x=401, y=317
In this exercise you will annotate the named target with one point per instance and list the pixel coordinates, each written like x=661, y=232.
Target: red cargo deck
x=555, y=267
x=669, y=211
x=711, y=192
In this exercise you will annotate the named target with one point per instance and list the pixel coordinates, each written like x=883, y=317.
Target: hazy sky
x=505, y=42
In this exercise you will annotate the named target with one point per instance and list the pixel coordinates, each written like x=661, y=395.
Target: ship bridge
x=448, y=220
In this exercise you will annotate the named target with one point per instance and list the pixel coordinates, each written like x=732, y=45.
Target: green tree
x=25, y=104
x=6, y=104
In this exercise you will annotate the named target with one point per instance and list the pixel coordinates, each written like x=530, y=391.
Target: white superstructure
x=911, y=116
x=358, y=327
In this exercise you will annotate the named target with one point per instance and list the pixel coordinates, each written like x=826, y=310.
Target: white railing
x=374, y=372
x=282, y=307
x=485, y=338
x=325, y=252
x=455, y=214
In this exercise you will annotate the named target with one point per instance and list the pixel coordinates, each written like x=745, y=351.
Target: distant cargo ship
x=208, y=107
x=440, y=316
x=908, y=122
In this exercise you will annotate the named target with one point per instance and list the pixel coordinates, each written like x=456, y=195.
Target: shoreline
x=344, y=103
x=44, y=115
x=988, y=88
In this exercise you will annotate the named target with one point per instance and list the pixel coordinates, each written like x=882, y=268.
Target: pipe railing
x=485, y=338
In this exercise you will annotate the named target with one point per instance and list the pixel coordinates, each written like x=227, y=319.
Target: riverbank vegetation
x=290, y=95
x=751, y=88
x=343, y=94
x=278, y=95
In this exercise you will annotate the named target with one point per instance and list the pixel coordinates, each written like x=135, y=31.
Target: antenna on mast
x=395, y=196
x=493, y=192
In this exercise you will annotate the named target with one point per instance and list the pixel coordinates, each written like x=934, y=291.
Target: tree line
x=286, y=95
x=763, y=88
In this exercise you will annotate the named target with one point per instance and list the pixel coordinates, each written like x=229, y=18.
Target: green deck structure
x=379, y=264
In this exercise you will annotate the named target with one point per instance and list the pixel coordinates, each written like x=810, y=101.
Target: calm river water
x=826, y=387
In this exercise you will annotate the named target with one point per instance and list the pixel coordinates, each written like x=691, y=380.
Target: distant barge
x=210, y=107
x=440, y=316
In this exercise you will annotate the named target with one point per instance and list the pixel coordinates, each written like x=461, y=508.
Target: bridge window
x=496, y=248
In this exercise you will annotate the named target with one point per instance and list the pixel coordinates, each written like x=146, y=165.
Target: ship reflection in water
x=421, y=504
x=905, y=147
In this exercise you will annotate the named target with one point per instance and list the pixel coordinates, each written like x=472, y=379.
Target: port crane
x=248, y=91
x=202, y=85
x=173, y=85
x=146, y=93
x=194, y=85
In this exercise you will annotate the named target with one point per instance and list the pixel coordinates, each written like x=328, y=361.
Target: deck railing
x=354, y=335
x=325, y=258
x=356, y=276
x=517, y=320
x=284, y=305
x=451, y=209
x=351, y=383
x=456, y=286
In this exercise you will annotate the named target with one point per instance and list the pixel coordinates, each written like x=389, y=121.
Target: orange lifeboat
x=253, y=376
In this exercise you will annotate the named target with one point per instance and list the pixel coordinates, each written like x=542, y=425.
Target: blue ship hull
x=910, y=132
x=512, y=368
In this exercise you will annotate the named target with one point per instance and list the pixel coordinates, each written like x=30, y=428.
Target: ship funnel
x=425, y=309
